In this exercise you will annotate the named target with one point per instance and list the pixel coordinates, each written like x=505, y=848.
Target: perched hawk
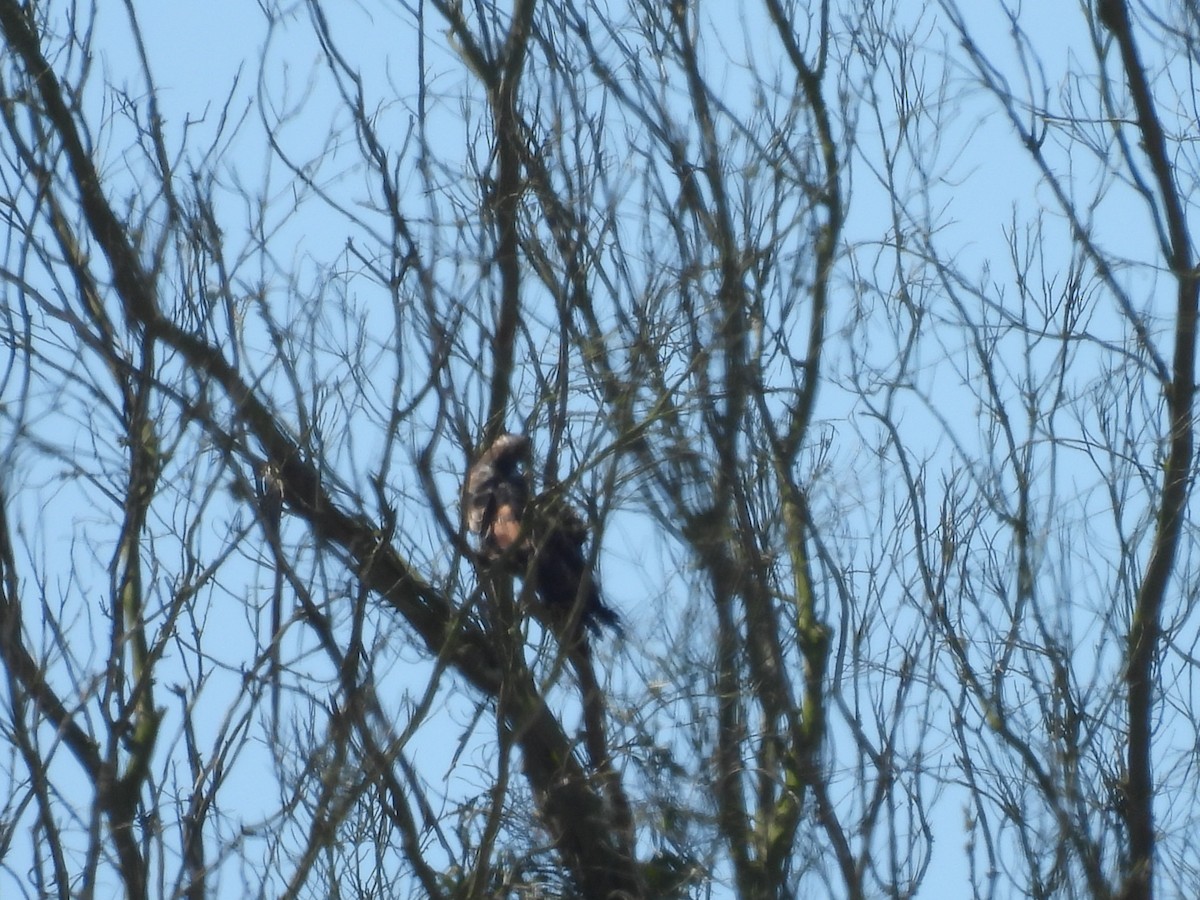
x=497, y=493
x=540, y=537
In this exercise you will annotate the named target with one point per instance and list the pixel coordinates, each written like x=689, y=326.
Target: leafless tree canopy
x=855, y=348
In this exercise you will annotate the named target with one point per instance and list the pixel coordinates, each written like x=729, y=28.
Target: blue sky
x=202, y=53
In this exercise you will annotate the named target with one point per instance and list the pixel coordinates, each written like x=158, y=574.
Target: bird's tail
x=598, y=616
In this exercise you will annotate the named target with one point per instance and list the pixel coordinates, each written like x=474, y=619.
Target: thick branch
x=1146, y=626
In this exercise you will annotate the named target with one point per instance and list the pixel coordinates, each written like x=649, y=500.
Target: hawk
x=539, y=537
x=496, y=495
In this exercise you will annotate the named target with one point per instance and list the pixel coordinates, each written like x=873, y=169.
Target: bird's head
x=508, y=451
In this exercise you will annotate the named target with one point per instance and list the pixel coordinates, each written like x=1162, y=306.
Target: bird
x=496, y=494
x=540, y=538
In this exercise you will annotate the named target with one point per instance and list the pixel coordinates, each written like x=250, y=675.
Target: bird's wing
x=559, y=534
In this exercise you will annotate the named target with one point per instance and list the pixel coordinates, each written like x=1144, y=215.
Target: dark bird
x=540, y=538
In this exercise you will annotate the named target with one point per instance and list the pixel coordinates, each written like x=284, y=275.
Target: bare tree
x=888, y=478
x=1048, y=546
